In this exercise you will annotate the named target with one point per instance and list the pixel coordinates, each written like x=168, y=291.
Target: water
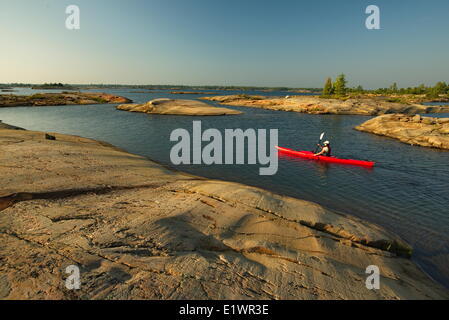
x=436, y=103
x=28, y=91
x=405, y=193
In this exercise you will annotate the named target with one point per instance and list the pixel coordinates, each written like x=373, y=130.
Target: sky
x=274, y=43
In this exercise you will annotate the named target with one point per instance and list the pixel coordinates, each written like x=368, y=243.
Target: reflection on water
x=406, y=192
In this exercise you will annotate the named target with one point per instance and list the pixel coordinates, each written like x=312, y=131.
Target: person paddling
x=325, y=149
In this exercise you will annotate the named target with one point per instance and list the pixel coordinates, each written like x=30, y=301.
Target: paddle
x=319, y=142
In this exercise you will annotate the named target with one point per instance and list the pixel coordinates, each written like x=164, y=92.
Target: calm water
x=436, y=103
x=405, y=193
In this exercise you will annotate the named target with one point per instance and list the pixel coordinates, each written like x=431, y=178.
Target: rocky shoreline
x=414, y=130
x=7, y=126
x=369, y=106
x=57, y=99
x=140, y=231
x=178, y=107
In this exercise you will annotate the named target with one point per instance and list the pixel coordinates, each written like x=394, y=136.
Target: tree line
x=339, y=89
x=440, y=88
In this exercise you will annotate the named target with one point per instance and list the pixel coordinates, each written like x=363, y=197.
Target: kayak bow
x=310, y=155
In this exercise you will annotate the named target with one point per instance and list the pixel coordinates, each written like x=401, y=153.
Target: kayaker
x=325, y=149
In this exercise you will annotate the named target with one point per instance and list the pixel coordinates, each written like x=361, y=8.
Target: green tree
x=394, y=88
x=340, y=85
x=422, y=89
x=328, y=89
x=440, y=88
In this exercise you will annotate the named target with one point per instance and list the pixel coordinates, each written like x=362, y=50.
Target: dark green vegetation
x=439, y=89
x=50, y=86
x=338, y=90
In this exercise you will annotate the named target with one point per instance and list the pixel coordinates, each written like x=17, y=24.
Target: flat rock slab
x=178, y=107
x=318, y=105
x=58, y=99
x=140, y=231
x=414, y=130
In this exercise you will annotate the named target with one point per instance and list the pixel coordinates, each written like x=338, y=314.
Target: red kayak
x=310, y=155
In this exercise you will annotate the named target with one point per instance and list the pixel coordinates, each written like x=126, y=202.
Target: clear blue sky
x=234, y=42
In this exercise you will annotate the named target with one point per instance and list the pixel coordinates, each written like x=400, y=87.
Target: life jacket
x=329, y=152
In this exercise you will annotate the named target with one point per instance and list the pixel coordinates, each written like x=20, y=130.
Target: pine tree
x=440, y=87
x=340, y=85
x=328, y=88
x=394, y=88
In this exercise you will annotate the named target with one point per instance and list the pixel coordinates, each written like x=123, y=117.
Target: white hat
x=326, y=142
